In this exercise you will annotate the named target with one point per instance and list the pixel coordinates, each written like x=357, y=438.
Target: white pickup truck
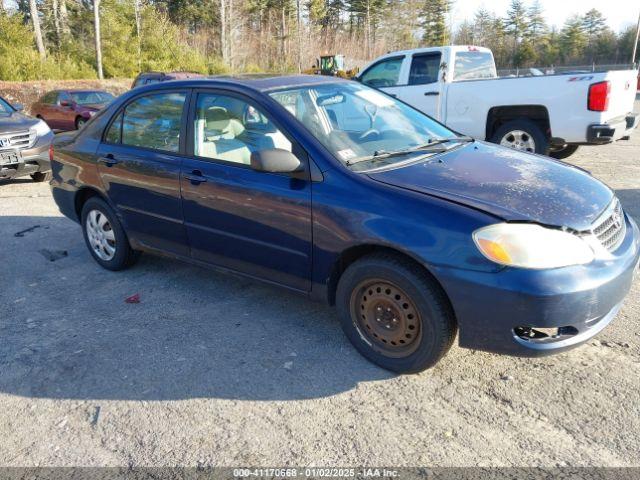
x=546, y=114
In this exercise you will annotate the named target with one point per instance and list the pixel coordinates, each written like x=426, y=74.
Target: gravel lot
x=211, y=370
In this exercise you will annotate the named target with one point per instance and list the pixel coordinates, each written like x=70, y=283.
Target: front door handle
x=429, y=94
x=195, y=177
x=109, y=160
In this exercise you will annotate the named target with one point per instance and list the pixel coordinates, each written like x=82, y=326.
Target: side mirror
x=275, y=160
x=18, y=106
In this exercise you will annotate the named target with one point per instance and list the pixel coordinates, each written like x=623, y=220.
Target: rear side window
x=152, y=121
x=474, y=65
x=383, y=74
x=424, y=69
x=50, y=98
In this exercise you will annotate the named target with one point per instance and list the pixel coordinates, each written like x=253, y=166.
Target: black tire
x=435, y=326
x=530, y=128
x=80, y=121
x=124, y=255
x=41, y=177
x=566, y=152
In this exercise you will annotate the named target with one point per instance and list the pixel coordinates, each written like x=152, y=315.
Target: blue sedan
x=339, y=192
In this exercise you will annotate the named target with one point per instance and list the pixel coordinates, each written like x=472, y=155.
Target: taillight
x=599, y=96
x=51, y=152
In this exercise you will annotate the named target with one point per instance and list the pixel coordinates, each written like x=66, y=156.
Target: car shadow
x=15, y=181
x=67, y=331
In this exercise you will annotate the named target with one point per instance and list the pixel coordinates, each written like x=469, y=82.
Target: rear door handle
x=428, y=94
x=109, y=160
x=195, y=177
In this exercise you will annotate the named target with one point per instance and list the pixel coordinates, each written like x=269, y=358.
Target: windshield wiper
x=427, y=148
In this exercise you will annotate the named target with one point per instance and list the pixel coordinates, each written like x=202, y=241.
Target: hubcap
x=386, y=318
x=100, y=234
x=520, y=140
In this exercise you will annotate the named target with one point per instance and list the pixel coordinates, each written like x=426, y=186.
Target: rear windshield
x=87, y=98
x=474, y=65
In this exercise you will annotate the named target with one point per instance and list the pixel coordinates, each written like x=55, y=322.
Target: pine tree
x=573, y=40
x=434, y=22
x=516, y=24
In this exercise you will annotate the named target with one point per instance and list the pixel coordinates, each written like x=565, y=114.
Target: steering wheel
x=368, y=133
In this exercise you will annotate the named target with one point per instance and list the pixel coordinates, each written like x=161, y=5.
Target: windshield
x=88, y=98
x=5, y=108
x=357, y=123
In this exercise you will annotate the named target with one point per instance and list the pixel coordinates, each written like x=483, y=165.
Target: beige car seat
x=219, y=138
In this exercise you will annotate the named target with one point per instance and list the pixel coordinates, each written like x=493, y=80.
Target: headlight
x=41, y=128
x=92, y=113
x=531, y=246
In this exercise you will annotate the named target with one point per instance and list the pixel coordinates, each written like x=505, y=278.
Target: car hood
x=509, y=184
x=15, y=122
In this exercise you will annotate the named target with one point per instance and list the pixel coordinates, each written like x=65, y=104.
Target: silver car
x=24, y=144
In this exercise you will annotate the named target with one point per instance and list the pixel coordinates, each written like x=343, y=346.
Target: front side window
x=473, y=66
x=424, y=69
x=230, y=129
x=153, y=121
x=357, y=123
x=383, y=74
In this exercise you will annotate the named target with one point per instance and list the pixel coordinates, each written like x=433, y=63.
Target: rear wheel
x=522, y=134
x=395, y=315
x=565, y=152
x=41, y=176
x=105, y=237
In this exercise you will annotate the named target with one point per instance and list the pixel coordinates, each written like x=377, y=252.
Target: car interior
x=230, y=129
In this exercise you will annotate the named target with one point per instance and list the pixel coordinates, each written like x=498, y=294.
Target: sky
x=619, y=13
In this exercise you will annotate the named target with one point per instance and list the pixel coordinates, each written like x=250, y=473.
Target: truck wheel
x=522, y=134
x=41, y=177
x=565, y=152
x=105, y=237
x=394, y=314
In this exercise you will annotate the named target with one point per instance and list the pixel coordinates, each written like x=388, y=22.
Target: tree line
x=119, y=38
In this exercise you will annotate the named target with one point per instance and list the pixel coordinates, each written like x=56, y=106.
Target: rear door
x=423, y=89
x=252, y=222
x=139, y=163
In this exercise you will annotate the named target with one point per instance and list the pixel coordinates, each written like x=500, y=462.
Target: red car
x=70, y=109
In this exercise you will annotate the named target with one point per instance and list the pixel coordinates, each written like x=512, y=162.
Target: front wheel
x=563, y=153
x=105, y=237
x=522, y=134
x=394, y=313
x=80, y=121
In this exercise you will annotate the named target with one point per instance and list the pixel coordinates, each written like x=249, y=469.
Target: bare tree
x=64, y=17
x=223, y=31
x=56, y=21
x=35, y=20
x=96, y=27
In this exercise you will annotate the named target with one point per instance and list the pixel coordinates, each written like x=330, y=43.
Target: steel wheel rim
x=101, y=236
x=386, y=318
x=520, y=140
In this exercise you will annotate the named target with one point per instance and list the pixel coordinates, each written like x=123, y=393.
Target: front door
x=139, y=164
x=251, y=222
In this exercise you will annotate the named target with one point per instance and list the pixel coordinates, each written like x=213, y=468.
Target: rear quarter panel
x=564, y=96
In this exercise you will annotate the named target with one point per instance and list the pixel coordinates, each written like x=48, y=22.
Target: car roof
x=258, y=82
